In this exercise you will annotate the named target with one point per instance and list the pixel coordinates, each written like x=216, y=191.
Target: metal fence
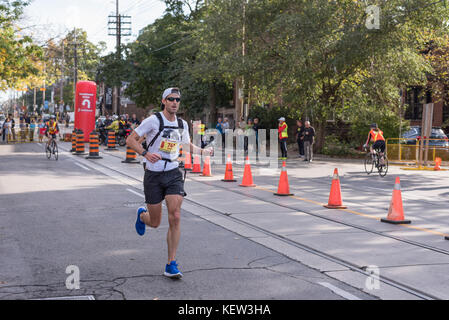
x=28, y=135
x=404, y=150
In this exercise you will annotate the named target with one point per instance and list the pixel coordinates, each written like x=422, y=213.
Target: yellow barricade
x=403, y=150
x=26, y=135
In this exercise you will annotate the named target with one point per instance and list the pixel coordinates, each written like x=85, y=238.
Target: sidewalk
x=301, y=229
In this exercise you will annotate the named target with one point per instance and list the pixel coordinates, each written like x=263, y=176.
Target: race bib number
x=168, y=146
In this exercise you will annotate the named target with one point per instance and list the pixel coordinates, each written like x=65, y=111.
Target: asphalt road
x=57, y=214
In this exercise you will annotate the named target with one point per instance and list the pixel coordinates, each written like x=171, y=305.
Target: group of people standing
x=305, y=137
x=27, y=127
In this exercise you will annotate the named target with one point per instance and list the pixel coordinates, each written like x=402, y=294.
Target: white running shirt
x=167, y=144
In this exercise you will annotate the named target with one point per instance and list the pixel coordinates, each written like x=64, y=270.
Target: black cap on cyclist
x=373, y=125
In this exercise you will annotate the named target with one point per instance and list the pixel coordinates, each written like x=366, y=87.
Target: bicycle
x=373, y=160
x=52, y=149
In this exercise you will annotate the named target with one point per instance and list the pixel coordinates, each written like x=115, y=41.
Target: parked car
x=414, y=134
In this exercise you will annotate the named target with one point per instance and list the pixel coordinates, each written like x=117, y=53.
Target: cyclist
x=377, y=137
x=51, y=130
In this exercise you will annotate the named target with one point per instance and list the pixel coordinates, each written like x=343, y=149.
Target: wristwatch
x=144, y=153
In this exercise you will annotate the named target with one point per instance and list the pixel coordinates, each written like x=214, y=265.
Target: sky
x=45, y=19
x=55, y=17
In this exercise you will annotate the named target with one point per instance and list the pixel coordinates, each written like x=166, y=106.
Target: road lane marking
x=81, y=166
x=339, y=291
x=361, y=214
x=136, y=193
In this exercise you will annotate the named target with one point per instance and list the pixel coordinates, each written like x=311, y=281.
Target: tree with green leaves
x=320, y=56
x=19, y=56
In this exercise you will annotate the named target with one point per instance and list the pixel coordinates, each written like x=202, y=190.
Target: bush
x=333, y=146
x=268, y=118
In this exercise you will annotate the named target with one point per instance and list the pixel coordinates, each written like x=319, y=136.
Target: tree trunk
x=212, y=105
x=320, y=134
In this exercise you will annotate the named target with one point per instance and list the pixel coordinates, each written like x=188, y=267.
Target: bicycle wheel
x=55, y=150
x=48, y=151
x=369, y=163
x=383, y=169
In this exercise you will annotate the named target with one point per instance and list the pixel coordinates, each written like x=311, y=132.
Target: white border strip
x=339, y=291
x=81, y=166
x=136, y=193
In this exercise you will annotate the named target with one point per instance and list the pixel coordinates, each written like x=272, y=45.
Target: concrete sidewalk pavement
x=303, y=230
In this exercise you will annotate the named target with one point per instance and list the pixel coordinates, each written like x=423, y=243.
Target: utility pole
x=75, y=75
x=239, y=84
x=61, y=92
x=119, y=21
x=34, y=100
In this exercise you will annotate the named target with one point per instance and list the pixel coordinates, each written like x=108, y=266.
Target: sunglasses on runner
x=171, y=99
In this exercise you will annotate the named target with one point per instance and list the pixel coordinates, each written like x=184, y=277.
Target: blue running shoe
x=171, y=271
x=140, y=226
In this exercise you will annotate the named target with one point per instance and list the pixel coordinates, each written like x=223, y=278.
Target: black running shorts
x=379, y=144
x=157, y=185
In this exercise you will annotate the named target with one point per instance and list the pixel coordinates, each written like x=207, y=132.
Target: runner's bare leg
x=174, y=230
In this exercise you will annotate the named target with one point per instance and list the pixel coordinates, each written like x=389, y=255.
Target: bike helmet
x=52, y=117
x=373, y=125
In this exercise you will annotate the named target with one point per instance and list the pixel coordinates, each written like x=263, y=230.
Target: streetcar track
x=329, y=257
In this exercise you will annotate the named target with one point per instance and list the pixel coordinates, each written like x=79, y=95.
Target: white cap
x=169, y=91
x=281, y=119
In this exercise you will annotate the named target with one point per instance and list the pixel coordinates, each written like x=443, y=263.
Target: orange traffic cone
x=335, y=195
x=206, y=168
x=283, y=187
x=188, y=161
x=396, y=211
x=229, y=177
x=437, y=164
x=196, y=164
x=247, y=176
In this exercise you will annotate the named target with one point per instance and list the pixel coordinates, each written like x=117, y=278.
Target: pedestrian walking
x=134, y=121
x=164, y=133
x=283, y=136
x=256, y=127
x=309, y=139
x=32, y=128
x=41, y=126
x=300, y=138
x=7, y=129
x=220, y=130
x=248, y=130
x=13, y=127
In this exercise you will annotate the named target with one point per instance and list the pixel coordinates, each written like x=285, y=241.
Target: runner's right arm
x=133, y=142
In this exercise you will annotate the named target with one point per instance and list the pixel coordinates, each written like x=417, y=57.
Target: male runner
x=163, y=179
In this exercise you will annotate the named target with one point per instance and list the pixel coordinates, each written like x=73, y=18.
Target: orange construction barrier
x=196, y=164
x=181, y=157
x=111, y=140
x=247, y=175
x=283, y=187
x=206, y=168
x=94, y=146
x=80, y=143
x=437, y=164
x=74, y=133
x=131, y=156
x=229, y=177
x=335, y=194
x=396, y=211
x=188, y=161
